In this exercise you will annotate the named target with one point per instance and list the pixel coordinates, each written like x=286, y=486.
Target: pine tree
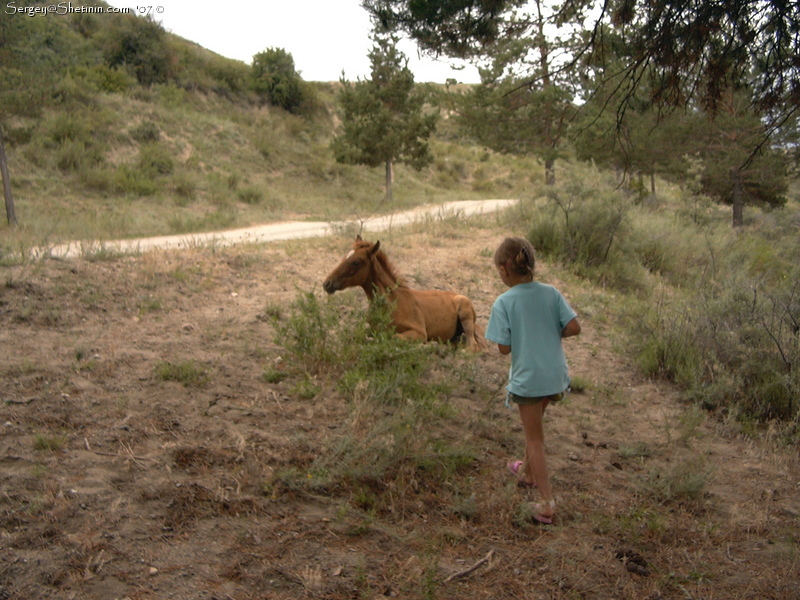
x=383, y=120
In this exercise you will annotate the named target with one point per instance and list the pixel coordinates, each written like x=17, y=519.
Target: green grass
x=43, y=443
x=396, y=403
x=186, y=372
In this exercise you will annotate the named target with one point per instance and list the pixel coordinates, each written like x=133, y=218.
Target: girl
x=528, y=321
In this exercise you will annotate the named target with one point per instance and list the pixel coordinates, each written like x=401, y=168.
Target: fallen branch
x=127, y=449
x=466, y=572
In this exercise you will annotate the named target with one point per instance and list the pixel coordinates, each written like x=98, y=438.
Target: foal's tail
x=478, y=334
x=480, y=339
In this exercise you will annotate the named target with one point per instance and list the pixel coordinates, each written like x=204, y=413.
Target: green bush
x=67, y=127
x=75, y=155
x=589, y=231
x=273, y=76
x=250, y=195
x=122, y=179
x=667, y=349
x=146, y=132
x=732, y=346
x=185, y=187
x=140, y=45
x=155, y=159
x=104, y=78
x=684, y=482
x=358, y=346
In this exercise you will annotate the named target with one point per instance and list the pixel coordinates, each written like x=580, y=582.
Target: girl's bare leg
x=535, y=463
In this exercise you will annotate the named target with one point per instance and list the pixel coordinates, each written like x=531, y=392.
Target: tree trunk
x=544, y=65
x=550, y=171
x=11, y=214
x=737, y=197
x=389, y=180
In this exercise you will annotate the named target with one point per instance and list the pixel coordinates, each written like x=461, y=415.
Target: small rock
x=153, y=571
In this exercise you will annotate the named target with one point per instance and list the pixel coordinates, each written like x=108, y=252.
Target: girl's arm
x=572, y=328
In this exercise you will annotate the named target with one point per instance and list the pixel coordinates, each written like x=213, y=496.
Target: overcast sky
x=323, y=36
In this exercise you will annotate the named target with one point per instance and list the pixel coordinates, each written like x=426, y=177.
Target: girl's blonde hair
x=517, y=255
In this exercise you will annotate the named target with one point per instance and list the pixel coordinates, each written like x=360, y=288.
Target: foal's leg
x=466, y=314
x=410, y=325
x=414, y=335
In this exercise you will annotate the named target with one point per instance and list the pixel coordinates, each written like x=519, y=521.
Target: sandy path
x=280, y=231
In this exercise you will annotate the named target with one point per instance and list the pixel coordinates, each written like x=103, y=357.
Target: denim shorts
x=512, y=397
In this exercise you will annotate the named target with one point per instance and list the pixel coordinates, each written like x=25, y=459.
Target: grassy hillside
x=167, y=160
x=106, y=156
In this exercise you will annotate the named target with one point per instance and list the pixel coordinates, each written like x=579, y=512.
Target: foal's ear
x=358, y=237
x=375, y=248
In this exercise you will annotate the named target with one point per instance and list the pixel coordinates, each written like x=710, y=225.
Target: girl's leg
x=531, y=416
x=525, y=470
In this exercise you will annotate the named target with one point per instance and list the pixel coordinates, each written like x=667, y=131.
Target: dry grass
x=228, y=489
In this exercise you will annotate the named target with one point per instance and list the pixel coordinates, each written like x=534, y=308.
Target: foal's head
x=355, y=268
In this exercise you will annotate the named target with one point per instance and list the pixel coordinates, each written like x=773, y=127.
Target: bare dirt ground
x=118, y=484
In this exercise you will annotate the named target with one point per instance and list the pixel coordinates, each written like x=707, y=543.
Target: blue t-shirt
x=530, y=317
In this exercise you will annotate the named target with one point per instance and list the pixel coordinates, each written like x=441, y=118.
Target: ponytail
x=517, y=255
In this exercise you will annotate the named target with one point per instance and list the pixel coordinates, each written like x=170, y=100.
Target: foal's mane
x=386, y=267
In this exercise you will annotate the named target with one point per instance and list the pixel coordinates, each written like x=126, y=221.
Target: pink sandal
x=537, y=512
x=514, y=466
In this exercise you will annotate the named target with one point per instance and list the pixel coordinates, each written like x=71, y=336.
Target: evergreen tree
x=383, y=117
x=668, y=54
x=522, y=115
x=732, y=171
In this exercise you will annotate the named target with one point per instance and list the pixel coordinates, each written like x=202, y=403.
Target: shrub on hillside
x=587, y=230
x=67, y=127
x=734, y=345
x=146, y=131
x=155, y=160
x=104, y=78
x=140, y=45
x=273, y=76
x=119, y=180
x=75, y=155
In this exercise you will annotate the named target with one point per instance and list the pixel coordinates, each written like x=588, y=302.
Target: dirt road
x=280, y=231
